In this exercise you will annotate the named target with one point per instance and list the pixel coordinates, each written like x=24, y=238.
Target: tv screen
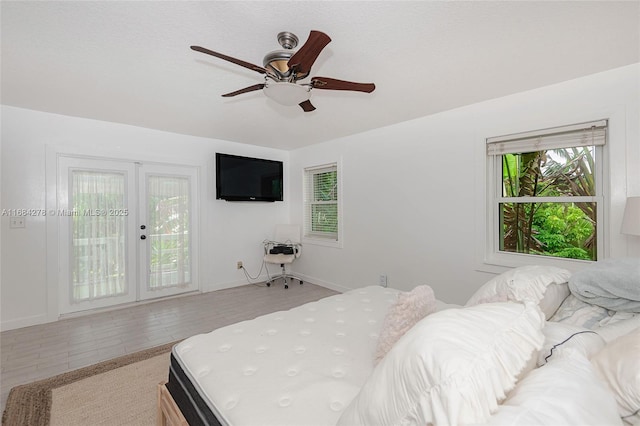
x=248, y=179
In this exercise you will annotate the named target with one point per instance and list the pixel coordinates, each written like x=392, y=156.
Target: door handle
x=143, y=237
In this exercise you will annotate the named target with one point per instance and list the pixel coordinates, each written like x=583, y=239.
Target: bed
x=523, y=350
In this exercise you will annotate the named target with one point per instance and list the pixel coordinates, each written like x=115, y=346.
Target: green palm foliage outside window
x=563, y=228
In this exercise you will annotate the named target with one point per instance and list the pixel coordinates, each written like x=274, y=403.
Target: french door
x=166, y=204
x=127, y=232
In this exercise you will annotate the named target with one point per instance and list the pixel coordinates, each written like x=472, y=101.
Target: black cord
x=631, y=415
x=249, y=277
x=565, y=341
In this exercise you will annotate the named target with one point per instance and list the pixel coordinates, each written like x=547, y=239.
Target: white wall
x=414, y=193
x=229, y=231
x=413, y=206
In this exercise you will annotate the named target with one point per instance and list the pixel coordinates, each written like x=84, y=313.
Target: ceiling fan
x=283, y=70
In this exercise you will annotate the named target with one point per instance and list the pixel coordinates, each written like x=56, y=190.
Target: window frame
x=494, y=257
x=319, y=238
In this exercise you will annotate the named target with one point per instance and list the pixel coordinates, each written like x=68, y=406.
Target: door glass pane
x=98, y=214
x=168, y=231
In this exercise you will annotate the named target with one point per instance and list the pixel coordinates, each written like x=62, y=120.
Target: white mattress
x=297, y=367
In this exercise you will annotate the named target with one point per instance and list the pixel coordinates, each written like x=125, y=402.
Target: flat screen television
x=248, y=179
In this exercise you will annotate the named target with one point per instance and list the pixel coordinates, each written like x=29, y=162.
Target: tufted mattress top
x=298, y=367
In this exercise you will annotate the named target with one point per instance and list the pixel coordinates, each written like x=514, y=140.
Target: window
x=321, y=205
x=546, y=192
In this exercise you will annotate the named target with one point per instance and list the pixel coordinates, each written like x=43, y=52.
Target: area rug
x=121, y=391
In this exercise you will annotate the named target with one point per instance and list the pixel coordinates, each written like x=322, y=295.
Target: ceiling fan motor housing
x=276, y=62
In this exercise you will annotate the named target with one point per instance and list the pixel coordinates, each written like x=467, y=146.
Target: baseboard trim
x=23, y=322
x=232, y=284
x=321, y=283
x=262, y=278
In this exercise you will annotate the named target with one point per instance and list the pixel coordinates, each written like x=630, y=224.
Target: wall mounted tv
x=248, y=179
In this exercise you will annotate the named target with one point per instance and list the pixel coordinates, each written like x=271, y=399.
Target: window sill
x=497, y=263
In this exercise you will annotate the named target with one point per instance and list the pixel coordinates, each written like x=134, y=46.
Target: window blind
x=321, y=202
x=583, y=134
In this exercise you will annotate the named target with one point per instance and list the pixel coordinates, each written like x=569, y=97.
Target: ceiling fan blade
x=230, y=59
x=245, y=90
x=307, y=106
x=304, y=58
x=335, y=84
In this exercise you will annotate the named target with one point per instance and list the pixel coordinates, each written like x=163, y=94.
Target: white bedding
x=566, y=391
x=608, y=324
x=307, y=365
x=297, y=367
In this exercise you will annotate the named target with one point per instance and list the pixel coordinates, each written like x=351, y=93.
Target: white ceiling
x=130, y=62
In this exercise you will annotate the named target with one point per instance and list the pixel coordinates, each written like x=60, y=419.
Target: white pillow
x=408, y=309
x=546, y=285
x=618, y=364
x=450, y=368
x=566, y=391
x=560, y=336
x=554, y=296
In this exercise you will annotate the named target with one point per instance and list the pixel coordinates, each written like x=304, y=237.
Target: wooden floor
x=33, y=353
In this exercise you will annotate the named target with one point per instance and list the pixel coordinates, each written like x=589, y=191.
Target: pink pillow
x=410, y=308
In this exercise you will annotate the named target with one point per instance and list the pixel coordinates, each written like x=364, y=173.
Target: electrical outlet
x=239, y=264
x=382, y=280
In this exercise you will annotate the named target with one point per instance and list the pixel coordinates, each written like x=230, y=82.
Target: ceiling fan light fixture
x=287, y=93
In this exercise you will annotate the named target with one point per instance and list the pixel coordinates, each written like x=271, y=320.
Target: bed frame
x=168, y=413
